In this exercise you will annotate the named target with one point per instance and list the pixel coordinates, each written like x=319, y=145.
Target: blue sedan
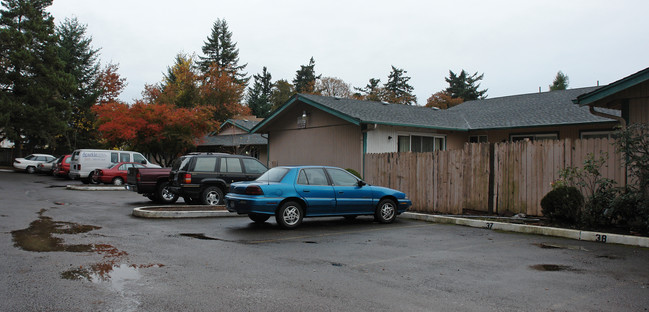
x=293, y=193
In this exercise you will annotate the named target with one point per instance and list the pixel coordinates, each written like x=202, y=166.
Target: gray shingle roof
x=517, y=111
x=390, y=114
x=529, y=110
x=233, y=140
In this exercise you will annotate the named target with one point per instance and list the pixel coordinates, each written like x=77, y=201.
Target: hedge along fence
x=502, y=177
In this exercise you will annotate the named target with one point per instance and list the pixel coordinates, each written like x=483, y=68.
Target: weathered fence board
x=456, y=180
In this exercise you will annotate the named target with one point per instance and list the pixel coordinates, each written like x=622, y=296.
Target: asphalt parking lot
x=65, y=250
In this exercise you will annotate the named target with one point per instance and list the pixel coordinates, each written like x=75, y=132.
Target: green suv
x=206, y=177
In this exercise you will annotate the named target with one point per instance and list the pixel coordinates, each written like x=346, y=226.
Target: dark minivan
x=206, y=177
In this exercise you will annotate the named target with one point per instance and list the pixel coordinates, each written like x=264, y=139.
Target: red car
x=61, y=167
x=115, y=174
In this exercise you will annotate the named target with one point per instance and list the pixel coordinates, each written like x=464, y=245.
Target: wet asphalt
x=65, y=250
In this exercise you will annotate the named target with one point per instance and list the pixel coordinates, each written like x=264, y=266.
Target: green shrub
x=563, y=204
x=599, y=211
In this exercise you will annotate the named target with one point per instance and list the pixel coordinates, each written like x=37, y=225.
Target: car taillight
x=254, y=190
x=188, y=178
x=137, y=177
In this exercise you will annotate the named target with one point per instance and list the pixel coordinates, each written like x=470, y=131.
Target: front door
x=313, y=186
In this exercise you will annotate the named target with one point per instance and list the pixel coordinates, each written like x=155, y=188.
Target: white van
x=84, y=161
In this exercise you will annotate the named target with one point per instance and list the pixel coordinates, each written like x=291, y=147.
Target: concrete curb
x=534, y=229
x=147, y=212
x=95, y=188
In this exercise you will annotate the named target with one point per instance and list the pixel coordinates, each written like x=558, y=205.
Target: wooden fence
x=499, y=178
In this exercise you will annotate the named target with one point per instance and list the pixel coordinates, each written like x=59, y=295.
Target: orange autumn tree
x=221, y=91
x=442, y=100
x=162, y=131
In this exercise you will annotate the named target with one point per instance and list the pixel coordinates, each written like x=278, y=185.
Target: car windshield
x=273, y=175
x=112, y=165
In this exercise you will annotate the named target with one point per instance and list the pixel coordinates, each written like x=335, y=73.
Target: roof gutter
x=619, y=119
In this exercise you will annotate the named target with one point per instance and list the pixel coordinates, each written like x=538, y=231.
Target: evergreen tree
x=305, y=77
x=259, y=96
x=32, y=77
x=220, y=51
x=560, y=82
x=371, y=92
x=81, y=62
x=397, y=90
x=464, y=86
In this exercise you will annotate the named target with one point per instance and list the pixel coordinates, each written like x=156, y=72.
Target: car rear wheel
x=163, y=195
x=258, y=218
x=212, y=196
x=386, y=211
x=118, y=181
x=30, y=169
x=289, y=215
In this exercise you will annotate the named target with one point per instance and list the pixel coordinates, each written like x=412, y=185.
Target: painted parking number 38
x=600, y=238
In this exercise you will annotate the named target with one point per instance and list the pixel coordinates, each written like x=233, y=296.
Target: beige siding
x=639, y=110
x=326, y=140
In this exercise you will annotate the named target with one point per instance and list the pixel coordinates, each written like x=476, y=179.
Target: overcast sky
x=518, y=45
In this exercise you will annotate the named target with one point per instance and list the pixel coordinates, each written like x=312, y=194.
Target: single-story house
x=312, y=129
x=629, y=95
x=234, y=137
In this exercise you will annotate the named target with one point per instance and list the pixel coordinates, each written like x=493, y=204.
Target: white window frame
x=599, y=134
x=432, y=135
x=535, y=136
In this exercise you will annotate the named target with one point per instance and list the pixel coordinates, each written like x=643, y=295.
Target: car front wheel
x=386, y=211
x=212, y=196
x=289, y=215
x=118, y=181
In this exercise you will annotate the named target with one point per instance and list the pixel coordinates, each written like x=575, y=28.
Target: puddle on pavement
x=39, y=237
x=555, y=246
x=202, y=236
x=552, y=267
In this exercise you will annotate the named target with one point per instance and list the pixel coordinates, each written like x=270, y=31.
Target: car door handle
x=306, y=191
x=341, y=192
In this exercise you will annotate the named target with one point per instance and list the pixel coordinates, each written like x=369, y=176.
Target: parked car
x=293, y=193
x=84, y=161
x=206, y=177
x=61, y=167
x=29, y=163
x=115, y=173
x=152, y=183
x=46, y=167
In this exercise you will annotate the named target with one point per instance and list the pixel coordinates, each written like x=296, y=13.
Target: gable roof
x=612, y=88
x=517, y=111
x=550, y=108
x=370, y=112
x=243, y=124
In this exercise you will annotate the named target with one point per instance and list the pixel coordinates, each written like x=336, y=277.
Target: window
x=273, y=175
x=342, y=177
x=312, y=176
x=534, y=137
x=253, y=166
x=138, y=158
x=596, y=134
x=230, y=164
x=478, y=139
x=420, y=144
x=114, y=157
x=124, y=167
x=124, y=157
x=205, y=164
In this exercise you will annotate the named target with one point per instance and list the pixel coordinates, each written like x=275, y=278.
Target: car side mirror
x=361, y=183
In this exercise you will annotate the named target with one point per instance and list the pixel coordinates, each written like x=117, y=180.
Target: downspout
x=619, y=119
